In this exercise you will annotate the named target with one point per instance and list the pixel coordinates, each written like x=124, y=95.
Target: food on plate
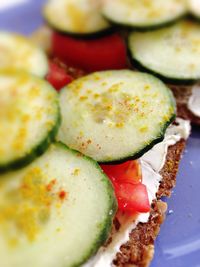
x=17, y=52
x=29, y=118
x=138, y=248
x=101, y=204
x=63, y=202
x=107, y=115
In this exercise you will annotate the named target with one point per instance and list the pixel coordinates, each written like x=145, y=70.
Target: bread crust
x=139, y=250
x=182, y=95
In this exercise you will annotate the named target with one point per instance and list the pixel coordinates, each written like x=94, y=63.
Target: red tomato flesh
x=129, y=171
x=57, y=77
x=131, y=194
x=132, y=197
x=108, y=52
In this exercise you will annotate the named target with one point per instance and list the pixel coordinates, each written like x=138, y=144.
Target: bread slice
x=139, y=250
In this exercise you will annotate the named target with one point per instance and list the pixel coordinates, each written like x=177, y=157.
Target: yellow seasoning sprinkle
x=76, y=172
x=26, y=209
x=82, y=98
x=147, y=87
x=96, y=95
x=144, y=129
x=119, y=124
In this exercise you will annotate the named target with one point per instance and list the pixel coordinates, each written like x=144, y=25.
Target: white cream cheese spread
x=194, y=100
x=152, y=163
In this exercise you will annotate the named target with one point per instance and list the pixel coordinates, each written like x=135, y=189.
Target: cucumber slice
x=172, y=53
x=56, y=212
x=17, y=52
x=194, y=7
x=79, y=18
x=29, y=118
x=115, y=115
x=144, y=14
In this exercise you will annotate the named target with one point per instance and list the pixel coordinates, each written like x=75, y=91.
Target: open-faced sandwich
x=83, y=171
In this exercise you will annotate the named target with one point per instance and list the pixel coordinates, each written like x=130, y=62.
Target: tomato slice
x=132, y=197
x=129, y=171
x=57, y=77
x=131, y=194
x=108, y=52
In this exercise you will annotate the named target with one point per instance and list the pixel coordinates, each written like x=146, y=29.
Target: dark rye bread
x=182, y=95
x=139, y=250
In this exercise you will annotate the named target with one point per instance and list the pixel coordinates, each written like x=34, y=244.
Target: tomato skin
x=131, y=194
x=108, y=52
x=57, y=77
x=129, y=171
x=132, y=197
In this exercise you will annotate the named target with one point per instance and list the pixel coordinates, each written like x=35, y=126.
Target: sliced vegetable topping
x=61, y=204
x=19, y=53
x=108, y=52
x=172, y=53
x=80, y=17
x=57, y=76
x=131, y=194
x=114, y=115
x=144, y=13
x=29, y=118
x=129, y=171
x=132, y=197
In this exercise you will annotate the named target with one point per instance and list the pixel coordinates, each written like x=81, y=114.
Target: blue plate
x=178, y=245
